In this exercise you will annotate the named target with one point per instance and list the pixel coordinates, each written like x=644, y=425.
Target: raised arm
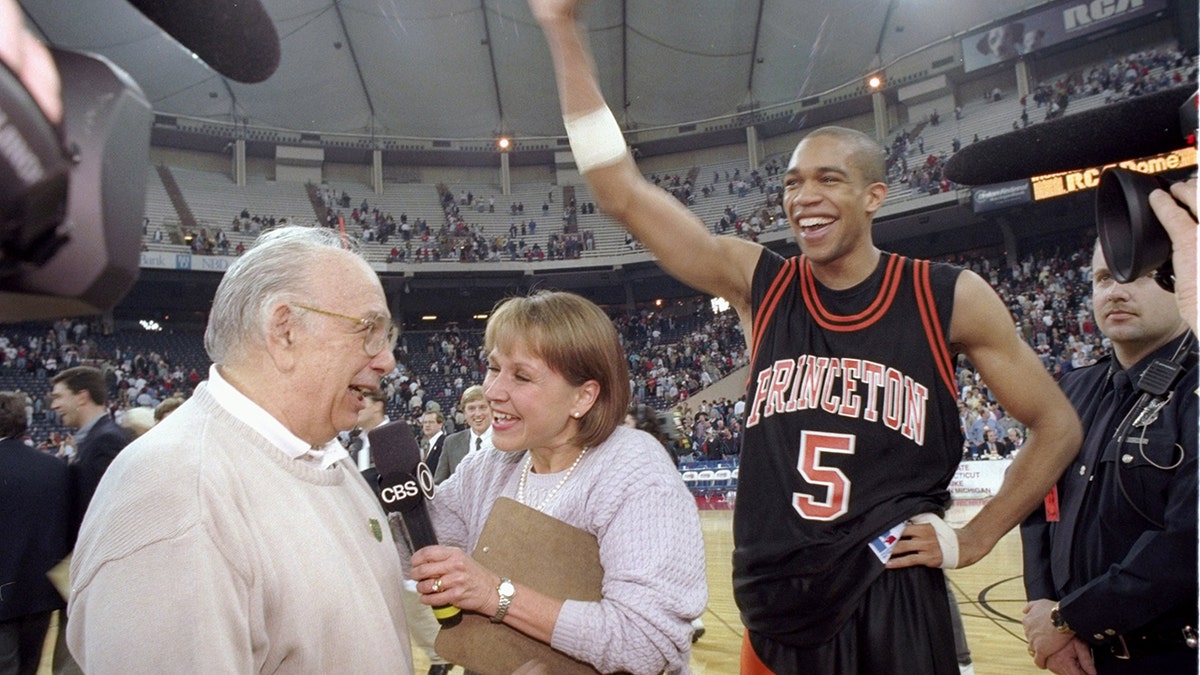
x=722, y=266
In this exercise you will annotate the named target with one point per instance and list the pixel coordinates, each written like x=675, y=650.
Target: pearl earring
x=575, y=415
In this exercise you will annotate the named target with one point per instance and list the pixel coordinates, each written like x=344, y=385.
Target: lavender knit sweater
x=625, y=492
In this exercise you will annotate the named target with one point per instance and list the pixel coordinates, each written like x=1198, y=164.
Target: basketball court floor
x=989, y=593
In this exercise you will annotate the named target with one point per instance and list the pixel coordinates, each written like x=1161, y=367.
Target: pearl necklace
x=525, y=474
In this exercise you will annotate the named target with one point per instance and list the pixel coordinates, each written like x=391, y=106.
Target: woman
x=558, y=387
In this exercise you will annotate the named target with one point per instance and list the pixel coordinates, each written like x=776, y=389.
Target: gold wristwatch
x=1057, y=620
x=506, y=590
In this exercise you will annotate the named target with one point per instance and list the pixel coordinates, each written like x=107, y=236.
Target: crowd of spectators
x=923, y=173
x=1142, y=72
x=216, y=242
x=1047, y=294
x=673, y=354
x=910, y=164
x=465, y=241
x=32, y=355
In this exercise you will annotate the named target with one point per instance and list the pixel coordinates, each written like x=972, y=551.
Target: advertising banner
x=1058, y=23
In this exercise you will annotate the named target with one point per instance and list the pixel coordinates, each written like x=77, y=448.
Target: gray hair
x=278, y=267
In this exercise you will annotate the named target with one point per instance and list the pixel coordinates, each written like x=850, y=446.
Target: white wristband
x=596, y=139
x=947, y=538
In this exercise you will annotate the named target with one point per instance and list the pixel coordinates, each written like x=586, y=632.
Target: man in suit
x=991, y=448
x=35, y=517
x=431, y=427
x=373, y=414
x=474, y=438
x=80, y=396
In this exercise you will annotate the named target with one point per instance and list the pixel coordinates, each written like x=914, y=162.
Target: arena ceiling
x=472, y=69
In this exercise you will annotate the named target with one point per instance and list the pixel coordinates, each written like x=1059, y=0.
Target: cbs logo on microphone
x=400, y=491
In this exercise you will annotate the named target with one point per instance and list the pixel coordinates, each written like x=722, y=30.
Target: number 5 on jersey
x=813, y=446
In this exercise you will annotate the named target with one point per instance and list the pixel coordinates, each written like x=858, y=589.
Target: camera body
x=72, y=205
x=1132, y=239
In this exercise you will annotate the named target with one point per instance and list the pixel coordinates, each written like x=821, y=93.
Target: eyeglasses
x=381, y=333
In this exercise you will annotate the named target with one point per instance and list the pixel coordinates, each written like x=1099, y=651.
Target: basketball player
x=852, y=426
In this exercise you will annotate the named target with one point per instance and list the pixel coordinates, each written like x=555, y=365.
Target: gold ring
x=1031, y=651
x=437, y=588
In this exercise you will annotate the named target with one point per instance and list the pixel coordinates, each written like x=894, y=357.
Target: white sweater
x=207, y=550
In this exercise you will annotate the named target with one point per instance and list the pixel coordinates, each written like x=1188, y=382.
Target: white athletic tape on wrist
x=947, y=538
x=596, y=139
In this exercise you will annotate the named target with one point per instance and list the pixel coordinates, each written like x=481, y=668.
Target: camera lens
x=1133, y=241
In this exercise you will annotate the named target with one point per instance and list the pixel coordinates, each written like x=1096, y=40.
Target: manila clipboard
x=542, y=553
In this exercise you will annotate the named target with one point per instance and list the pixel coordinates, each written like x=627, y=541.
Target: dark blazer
x=97, y=450
x=457, y=445
x=35, y=518
x=435, y=453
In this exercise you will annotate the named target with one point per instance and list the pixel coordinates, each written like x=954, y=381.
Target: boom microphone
x=236, y=38
x=405, y=482
x=1142, y=126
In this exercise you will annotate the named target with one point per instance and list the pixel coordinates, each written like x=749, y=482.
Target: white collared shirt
x=487, y=440
x=254, y=416
x=429, y=446
x=364, y=453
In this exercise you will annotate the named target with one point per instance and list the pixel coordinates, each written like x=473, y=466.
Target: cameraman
x=1121, y=598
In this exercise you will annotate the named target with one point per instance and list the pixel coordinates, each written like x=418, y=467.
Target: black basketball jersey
x=851, y=428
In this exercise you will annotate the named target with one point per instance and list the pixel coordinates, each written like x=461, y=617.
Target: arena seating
x=214, y=200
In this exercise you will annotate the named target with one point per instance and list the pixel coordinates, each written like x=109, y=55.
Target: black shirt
x=1130, y=538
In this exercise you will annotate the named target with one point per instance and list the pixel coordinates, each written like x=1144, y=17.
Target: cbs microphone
x=405, y=482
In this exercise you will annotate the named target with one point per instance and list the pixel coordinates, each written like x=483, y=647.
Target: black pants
x=902, y=625
x=1175, y=662
x=21, y=642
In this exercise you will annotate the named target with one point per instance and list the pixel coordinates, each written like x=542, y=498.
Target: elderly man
x=237, y=536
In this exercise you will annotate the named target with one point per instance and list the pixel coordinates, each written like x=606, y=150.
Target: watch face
x=506, y=588
x=1056, y=618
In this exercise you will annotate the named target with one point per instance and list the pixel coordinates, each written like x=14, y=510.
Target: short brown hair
x=12, y=414
x=578, y=341
x=84, y=378
x=167, y=407
x=471, y=394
